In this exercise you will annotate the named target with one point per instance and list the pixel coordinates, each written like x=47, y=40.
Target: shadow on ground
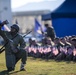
x=5, y=72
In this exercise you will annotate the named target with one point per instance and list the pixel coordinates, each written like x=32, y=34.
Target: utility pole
x=5, y=11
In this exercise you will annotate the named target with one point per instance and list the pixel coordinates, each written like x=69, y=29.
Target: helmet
x=15, y=26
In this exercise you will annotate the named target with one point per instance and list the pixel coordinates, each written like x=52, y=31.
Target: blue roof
x=67, y=9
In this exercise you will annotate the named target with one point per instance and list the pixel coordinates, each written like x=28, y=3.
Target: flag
x=55, y=50
x=38, y=27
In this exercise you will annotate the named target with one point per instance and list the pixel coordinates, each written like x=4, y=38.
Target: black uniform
x=50, y=32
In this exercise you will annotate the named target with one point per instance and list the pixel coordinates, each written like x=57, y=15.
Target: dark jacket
x=18, y=41
x=50, y=33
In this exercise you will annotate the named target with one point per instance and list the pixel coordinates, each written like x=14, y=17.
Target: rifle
x=2, y=48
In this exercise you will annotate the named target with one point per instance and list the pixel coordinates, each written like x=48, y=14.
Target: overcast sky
x=18, y=3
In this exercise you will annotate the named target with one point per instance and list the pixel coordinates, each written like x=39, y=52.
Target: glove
x=5, y=22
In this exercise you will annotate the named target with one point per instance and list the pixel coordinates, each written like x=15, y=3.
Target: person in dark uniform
x=50, y=32
x=73, y=42
x=14, y=51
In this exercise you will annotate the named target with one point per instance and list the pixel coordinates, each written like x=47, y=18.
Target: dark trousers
x=22, y=54
x=12, y=58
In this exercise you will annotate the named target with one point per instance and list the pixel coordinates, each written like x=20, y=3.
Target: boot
x=22, y=67
x=10, y=69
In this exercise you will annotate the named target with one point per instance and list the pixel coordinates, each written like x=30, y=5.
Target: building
x=26, y=14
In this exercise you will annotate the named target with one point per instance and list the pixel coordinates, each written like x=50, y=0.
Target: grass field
x=40, y=67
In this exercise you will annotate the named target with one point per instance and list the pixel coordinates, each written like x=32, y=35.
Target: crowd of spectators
x=63, y=48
